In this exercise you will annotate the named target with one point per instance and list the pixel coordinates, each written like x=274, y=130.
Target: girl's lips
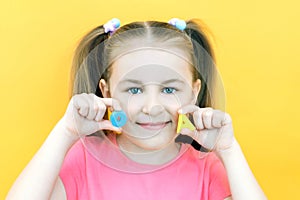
x=153, y=126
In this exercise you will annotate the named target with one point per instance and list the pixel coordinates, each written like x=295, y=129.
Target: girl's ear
x=196, y=90
x=104, y=88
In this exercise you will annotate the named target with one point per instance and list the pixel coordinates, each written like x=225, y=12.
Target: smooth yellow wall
x=257, y=47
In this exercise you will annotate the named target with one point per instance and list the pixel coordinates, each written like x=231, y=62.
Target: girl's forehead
x=149, y=64
x=153, y=54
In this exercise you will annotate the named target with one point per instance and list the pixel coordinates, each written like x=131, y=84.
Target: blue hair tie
x=178, y=23
x=112, y=25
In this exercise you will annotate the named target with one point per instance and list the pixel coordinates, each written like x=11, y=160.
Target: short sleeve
x=219, y=186
x=71, y=170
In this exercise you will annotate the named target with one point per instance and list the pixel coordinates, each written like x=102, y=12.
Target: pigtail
x=204, y=60
x=87, y=65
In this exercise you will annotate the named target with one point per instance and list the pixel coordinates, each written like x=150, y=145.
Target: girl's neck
x=145, y=156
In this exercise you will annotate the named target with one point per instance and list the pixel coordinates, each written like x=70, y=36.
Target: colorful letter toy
x=184, y=122
x=117, y=118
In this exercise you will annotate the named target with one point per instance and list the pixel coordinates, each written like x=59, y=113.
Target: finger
x=107, y=125
x=197, y=117
x=197, y=136
x=207, y=119
x=217, y=118
x=93, y=107
x=115, y=104
x=188, y=109
x=202, y=120
x=101, y=112
x=191, y=108
x=100, y=108
x=192, y=134
x=77, y=100
x=80, y=102
x=227, y=120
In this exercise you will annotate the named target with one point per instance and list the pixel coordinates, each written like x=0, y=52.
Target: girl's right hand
x=85, y=112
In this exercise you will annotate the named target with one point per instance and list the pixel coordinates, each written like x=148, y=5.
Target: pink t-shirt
x=187, y=177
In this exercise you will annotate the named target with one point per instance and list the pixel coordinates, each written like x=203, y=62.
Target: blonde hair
x=97, y=50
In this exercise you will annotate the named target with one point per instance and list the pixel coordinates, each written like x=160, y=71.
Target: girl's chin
x=154, y=143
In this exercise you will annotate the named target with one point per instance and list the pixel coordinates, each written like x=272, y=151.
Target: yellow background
x=257, y=48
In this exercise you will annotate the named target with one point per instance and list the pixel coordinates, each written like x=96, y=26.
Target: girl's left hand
x=213, y=127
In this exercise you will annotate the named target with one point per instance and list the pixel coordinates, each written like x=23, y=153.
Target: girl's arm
x=214, y=131
x=83, y=116
x=243, y=184
x=59, y=191
x=39, y=177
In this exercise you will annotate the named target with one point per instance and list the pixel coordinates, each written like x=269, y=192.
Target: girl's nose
x=152, y=106
x=154, y=110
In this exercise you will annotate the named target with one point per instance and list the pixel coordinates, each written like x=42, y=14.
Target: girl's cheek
x=171, y=104
x=173, y=101
x=134, y=105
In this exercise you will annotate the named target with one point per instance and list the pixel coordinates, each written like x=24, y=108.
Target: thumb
x=107, y=125
x=187, y=137
x=202, y=139
x=188, y=132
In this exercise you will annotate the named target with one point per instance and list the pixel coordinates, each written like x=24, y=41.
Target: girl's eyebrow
x=173, y=80
x=140, y=82
x=131, y=81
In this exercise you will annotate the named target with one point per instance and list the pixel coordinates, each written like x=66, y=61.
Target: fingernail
x=180, y=111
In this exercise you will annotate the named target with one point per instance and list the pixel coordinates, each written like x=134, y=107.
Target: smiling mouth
x=154, y=126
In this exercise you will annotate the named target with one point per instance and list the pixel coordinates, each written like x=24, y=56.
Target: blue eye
x=135, y=90
x=168, y=90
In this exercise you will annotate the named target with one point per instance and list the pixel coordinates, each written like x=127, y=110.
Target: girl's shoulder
x=75, y=157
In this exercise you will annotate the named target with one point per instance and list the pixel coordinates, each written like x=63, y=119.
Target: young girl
x=159, y=75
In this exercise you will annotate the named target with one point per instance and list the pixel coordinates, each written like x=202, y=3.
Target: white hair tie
x=112, y=25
